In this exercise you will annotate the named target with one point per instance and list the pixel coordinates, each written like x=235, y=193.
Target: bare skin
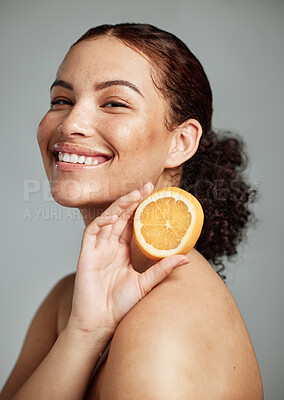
x=188, y=331
x=176, y=330
x=185, y=339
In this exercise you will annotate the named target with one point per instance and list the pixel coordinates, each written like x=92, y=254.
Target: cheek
x=116, y=129
x=133, y=136
x=122, y=135
x=44, y=132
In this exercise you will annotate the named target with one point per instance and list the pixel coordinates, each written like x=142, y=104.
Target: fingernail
x=136, y=192
x=183, y=261
x=149, y=184
x=143, y=188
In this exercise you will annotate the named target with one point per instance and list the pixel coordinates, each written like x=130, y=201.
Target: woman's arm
x=39, y=340
x=65, y=371
x=43, y=356
x=106, y=288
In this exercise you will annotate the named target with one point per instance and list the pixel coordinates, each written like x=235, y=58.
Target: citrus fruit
x=167, y=222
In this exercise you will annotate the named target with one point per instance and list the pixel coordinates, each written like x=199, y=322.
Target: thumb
x=158, y=272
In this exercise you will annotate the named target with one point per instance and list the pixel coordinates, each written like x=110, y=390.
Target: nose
x=79, y=120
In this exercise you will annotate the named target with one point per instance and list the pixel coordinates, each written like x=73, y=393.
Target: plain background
x=240, y=44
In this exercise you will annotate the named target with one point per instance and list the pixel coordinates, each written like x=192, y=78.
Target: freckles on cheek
x=120, y=133
x=124, y=130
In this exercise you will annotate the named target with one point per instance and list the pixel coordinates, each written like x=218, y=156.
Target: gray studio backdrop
x=240, y=44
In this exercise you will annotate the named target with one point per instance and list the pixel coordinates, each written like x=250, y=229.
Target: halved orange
x=169, y=221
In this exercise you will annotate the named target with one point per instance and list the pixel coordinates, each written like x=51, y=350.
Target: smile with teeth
x=79, y=159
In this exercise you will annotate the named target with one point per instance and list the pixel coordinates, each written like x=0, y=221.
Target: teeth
x=74, y=158
x=81, y=159
x=66, y=157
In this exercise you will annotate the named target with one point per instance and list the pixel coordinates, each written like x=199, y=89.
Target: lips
x=79, y=150
x=69, y=157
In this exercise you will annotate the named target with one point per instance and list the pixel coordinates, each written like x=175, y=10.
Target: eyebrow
x=98, y=86
x=61, y=83
x=107, y=84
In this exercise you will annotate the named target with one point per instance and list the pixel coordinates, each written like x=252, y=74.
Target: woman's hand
x=106, y=285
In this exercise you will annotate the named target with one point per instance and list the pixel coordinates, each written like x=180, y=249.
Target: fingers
x=120, y=205
x=126, y=235
x=105, y=225
x=123, y=228
x=158, y=272
x=127, y=203
x=115, y=219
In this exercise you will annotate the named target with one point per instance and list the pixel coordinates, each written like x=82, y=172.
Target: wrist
x=94, y=341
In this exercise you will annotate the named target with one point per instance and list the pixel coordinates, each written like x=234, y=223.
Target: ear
x=185, y=143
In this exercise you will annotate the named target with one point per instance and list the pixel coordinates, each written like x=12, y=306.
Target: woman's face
x=107, y=120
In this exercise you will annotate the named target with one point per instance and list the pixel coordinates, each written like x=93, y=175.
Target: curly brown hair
x=215, y=174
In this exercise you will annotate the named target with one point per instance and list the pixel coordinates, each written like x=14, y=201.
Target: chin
x=82, y=199
x=66, y=201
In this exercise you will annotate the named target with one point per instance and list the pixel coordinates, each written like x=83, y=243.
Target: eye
x=60, y=102
x=111, y=104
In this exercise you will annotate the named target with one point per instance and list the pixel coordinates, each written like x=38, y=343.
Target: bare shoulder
x=185, y=338
x=41, y=335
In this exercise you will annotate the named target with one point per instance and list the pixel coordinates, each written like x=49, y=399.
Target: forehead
x=106, y=58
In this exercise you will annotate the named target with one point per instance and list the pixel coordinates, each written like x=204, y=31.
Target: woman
x=131, y=112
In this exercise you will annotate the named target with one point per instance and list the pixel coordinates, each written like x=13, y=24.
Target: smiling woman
x=106, y=108
x=131, y=112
